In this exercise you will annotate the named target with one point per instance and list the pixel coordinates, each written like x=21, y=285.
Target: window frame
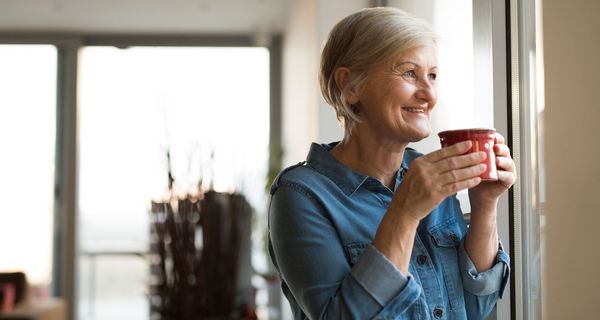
x=509, y=29
x=527, y=211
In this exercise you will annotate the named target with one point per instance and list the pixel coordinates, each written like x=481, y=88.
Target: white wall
x=571, y=50
x=299, y=109
x=330, y=12
x=306, y=118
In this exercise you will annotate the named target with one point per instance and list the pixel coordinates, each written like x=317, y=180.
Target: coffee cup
x=482, y=140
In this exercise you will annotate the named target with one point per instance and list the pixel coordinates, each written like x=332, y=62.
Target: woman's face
x=398, y=97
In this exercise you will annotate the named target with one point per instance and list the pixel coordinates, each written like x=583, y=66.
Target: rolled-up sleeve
x=383, y=281
x=482, y=289
x=487, y=282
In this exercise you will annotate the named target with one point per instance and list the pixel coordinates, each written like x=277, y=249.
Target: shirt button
x=421, y=259
x=438, y=313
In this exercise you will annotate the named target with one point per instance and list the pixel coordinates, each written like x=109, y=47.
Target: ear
x=342, y=78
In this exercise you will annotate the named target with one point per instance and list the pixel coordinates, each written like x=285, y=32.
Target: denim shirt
x=323, y=218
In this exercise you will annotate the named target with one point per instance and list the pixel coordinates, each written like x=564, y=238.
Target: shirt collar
x=320, y=159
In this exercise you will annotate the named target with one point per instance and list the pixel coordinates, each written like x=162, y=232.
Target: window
x=207, y=107
x=27, y=141
x=529, y=192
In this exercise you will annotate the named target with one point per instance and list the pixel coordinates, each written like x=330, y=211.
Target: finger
x=502, y=150
x=505, y=164
x=453, y=176
x=458, y=162
x=499, y=139
x=453, y=188
x=453, y=150
x=506, y=178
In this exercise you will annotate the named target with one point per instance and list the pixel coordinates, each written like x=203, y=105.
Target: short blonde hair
x=364, y=40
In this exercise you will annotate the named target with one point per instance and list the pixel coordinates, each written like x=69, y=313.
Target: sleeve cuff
x=378, y=275
x=487, y=282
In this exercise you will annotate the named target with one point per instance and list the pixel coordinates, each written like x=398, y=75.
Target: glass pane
x=27, y=131
x=208, y=107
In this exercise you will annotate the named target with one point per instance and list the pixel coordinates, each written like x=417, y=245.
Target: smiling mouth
x=414, y=110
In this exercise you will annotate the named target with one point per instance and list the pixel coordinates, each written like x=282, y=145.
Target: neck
x=368, y=155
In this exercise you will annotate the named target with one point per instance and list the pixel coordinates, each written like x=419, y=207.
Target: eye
x=410, y=74
x=432, y=76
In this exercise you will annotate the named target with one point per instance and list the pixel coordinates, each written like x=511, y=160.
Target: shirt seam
x=303, y=190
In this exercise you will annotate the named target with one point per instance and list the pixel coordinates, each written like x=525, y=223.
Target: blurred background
x=139, y=139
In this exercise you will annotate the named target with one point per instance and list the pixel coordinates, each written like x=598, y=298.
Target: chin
x=420, y=134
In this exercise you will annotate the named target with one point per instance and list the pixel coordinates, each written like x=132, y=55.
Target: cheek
x=403, y=93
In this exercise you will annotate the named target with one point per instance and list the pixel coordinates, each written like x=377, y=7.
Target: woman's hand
x=481, y=242
x=430, y=179
x=486, y=194
x=435, y=176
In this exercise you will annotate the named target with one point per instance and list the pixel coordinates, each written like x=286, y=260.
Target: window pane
x=209, y=107
x=27, y=131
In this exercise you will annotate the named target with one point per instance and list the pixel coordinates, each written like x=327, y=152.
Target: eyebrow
x=413, y=63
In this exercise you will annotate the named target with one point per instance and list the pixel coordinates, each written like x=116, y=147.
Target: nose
x=426, y=92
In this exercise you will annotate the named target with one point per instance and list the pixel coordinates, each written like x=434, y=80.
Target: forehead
x=424, y=56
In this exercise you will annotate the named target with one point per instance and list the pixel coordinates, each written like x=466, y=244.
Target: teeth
x=414, y=110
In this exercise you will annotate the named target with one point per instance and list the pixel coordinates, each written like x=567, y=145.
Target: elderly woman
x=369, y=228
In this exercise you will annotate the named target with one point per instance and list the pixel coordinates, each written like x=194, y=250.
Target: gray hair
x=364, y=40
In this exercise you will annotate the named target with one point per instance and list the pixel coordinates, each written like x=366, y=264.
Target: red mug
x=482, y=139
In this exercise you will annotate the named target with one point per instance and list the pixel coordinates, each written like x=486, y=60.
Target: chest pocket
x=354, y=250
x=446, y=238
